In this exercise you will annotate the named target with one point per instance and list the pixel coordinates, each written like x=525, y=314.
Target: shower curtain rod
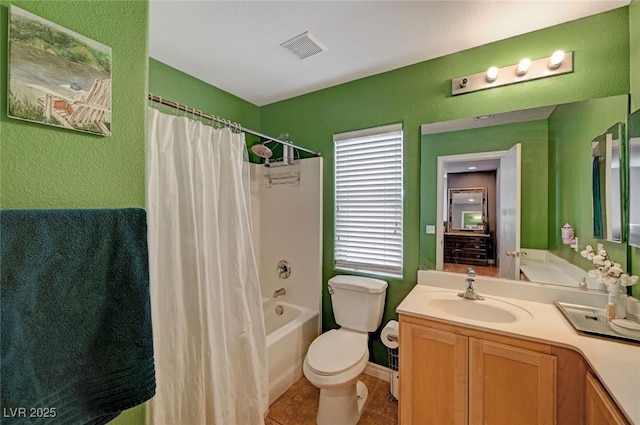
x=209, y=117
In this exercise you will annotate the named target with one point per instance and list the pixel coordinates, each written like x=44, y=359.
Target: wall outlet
x=431, y=229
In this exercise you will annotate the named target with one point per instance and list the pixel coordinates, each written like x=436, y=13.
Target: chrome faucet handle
x=284, y=269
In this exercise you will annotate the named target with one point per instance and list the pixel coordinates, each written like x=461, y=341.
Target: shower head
x=261, y=150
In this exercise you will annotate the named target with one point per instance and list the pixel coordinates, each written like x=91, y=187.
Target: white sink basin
x=487, y=310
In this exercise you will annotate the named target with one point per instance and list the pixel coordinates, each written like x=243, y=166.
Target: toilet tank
x=358, y=302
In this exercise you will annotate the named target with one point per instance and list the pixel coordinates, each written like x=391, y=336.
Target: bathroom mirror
x=467, y=209
x=606, y=181
x=554, y=166
x=634, y=179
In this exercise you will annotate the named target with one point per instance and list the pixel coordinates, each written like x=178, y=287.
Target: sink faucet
x=470, y=293
x=279, y=292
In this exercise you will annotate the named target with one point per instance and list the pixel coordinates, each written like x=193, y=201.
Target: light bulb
x=492, y=74
x=556, y=59
x=523, y=66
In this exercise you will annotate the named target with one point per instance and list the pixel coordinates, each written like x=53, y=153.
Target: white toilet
x=337, y=358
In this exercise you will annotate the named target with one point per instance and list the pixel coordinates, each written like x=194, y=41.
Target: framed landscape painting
x=56, y=76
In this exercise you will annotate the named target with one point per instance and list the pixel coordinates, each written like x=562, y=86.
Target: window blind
x=368, y=200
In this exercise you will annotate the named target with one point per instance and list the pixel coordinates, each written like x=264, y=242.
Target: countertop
x=617, y=364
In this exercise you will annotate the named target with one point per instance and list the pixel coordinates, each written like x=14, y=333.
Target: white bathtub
x=288, y=337
x=545, y=267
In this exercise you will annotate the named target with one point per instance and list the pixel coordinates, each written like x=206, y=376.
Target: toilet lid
x=336, y=351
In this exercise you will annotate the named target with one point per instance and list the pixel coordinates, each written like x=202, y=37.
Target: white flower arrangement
x=605, y=270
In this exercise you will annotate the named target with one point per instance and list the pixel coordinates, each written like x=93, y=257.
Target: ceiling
x=235, y=45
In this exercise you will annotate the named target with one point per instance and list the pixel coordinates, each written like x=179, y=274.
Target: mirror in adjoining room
x=634, y=179
x=467, y=208
x=607, y=184
x=540, y=161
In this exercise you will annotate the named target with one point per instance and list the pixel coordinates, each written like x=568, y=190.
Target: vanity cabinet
x=601, y=410
x=474, y=249
x=455, y=375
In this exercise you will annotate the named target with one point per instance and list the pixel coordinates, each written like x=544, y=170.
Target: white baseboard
x=377, y=371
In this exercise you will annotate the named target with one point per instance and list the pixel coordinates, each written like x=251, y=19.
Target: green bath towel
x=76, y=318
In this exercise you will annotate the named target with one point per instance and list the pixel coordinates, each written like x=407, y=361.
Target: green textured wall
x=420, y=94
x=48, y=167
x=531, y=135
x=572, y=127
x=172, y=84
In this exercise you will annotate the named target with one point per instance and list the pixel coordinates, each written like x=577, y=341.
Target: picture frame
x=57, y=77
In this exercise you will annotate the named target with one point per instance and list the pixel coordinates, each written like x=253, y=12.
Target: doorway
x=489, y=246
x=470, y=217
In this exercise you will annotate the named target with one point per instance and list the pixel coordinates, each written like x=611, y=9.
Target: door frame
x=442, y=161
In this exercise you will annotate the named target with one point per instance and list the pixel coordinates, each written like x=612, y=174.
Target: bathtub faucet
x=279, y=292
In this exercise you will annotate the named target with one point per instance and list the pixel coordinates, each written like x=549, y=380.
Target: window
x=368, y=200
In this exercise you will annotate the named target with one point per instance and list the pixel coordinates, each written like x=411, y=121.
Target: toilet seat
x=336, y=351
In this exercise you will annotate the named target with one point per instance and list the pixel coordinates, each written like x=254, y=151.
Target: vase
x=620, y=299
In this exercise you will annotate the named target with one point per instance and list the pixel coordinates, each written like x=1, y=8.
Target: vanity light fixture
x=558, y=63
x=492, y=74
x=556, y=59
x=523, y=67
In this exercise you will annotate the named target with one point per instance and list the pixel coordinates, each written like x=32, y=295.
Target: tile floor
x=299, y=405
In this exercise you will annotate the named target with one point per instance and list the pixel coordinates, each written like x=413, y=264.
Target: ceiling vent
x=303, y=45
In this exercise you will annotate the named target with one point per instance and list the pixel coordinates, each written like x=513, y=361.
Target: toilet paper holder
x=390, y=335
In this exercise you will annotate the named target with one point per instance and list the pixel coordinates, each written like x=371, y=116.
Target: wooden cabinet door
x=433, y=376
x=509, y=385
x=600, y=408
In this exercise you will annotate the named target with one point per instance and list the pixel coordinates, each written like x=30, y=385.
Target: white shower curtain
x=208, y=327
